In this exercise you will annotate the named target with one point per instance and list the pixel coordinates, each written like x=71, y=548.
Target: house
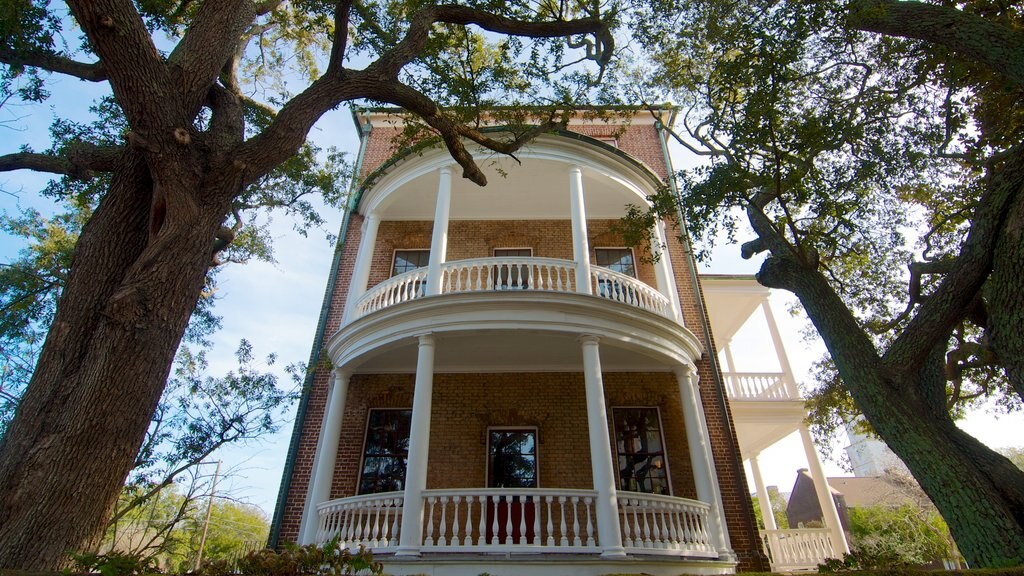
x=502, y=385
x=850, y=492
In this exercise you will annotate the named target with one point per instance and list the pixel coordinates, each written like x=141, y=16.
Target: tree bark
x=1006, y=298
x=103, y=366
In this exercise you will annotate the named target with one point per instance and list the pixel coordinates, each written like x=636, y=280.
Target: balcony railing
x=513, y=274
x=759, y=386
x=507, y=520
x=797, y=549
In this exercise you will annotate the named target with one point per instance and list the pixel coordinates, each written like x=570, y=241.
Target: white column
x=705, y=477
x=580, y=247
x=439, y=240
x=780, y=350
x=663, y=270
x=829, y=512
x=411, y=536
x=767, y=513
x=326, y=455
x=732, y=379
x=361, y=270
x=602, y=467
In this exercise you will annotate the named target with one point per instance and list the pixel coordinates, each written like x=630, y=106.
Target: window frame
x=664, y=447
x=536, y=451
x=366, y=436
x=632, y=257
x=394, y=256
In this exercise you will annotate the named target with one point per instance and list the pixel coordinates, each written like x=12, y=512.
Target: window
x=408, y=260
x=386, y=451
x=617, y=259
x=640, y=449
x=508, y=276
x=512, y=458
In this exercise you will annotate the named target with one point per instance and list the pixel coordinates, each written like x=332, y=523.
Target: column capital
x=425, y=339
x=372, y=217
x=589, y=339
x=447, y=168
x=575, y=168
x=342, y=372
x=687, y=371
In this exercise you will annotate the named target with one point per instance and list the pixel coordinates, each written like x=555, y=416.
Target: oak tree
x=194, y=143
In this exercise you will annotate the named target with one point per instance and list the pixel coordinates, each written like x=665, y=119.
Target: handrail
x=628, y=290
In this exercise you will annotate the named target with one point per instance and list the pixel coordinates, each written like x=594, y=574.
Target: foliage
x=778, y=509
x=113, y=564
x=328, y=559
x=906, y=534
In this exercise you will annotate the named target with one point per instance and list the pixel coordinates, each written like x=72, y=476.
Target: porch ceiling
x=761, y=424
x=731, y=301
x=536, y=189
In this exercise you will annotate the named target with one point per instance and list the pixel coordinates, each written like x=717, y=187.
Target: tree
x=778, y=507
x=834, y=143
x=193, y=147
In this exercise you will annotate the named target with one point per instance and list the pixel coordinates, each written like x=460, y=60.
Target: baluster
x=551, y=528
x=442, y=534
x=481, y=537
x=529, y=276
x=587, y=502
x=357, y=524
x=564, y=540
x=508, y=521
x=673, y=525
x=627, y=534
x=496, y=500
x=576, y=541
x=397, y=504
x=456, y=539
x=637, y=535
x=655, y=510
x=645, y=511
x=375, y=528
x=385, y=527
x=429, y=539
x=522, y=520
x=467, y=539
x=347, y=528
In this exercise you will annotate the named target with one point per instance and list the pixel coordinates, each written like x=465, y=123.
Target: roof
x=860, y=491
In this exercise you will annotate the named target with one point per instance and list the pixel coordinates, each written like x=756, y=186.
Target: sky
x=276, y=306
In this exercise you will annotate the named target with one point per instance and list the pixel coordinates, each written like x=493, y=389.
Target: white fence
x=797, y=549
x=655, y=524
x=759, y=386
x=371, y=520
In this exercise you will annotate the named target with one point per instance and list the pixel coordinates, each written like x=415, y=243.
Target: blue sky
x=276, y=306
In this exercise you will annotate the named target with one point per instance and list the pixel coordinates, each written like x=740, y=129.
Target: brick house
x=501, y=385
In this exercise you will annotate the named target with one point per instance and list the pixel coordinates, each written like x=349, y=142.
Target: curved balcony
x=514, y=274
x=525, y=520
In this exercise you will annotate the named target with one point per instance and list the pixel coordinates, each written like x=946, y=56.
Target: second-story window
x=408, y=260
x=617, y=259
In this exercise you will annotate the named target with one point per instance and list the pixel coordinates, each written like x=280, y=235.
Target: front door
x=511, y=463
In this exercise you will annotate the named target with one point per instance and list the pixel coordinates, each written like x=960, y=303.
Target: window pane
x=513, y=459
x=641, y=452
x=617, y=259
x=386, y=451
x=408, y=260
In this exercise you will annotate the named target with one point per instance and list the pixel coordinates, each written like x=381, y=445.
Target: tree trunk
x=1006, y=298
x=978, y=492
x=103, y=366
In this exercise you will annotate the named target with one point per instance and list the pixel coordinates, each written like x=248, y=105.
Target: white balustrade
x=757, y=386
x=512, y=274
x=371, y=521
x=628, y=290
x=395, y=290
x=798, y=549
x=508, y=273
x=510, y=520
x=656, y=524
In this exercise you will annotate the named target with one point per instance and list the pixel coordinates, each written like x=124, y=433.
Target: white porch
x=767, y=407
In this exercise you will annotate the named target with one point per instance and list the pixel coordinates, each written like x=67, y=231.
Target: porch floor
x=513, y=564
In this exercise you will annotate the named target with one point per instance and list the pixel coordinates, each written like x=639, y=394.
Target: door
x=511, y=463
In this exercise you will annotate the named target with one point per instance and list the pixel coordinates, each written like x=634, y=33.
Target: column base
x=727, y=555
x=407, y=552
x=614, y=553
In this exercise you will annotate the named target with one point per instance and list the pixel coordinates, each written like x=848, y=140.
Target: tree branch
x=93, y=72
x=994, y=45
x=80, y=163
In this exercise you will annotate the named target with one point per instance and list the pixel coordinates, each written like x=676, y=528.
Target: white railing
x=655, y=524
x=484, y=274
x=510, y=520
x=372, y=521
x=628, y=290
x=758, y=386
x=513, y=274
x=397, y=289
x=797, y=549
